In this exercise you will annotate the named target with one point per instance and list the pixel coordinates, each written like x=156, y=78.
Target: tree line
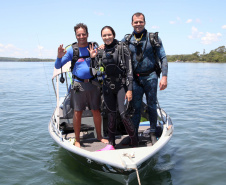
x=217, y=55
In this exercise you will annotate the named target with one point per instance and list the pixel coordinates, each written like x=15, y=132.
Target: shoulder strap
x=121, y=57
x=100, y=56
x=119, y=48
x=153, y=37
x=75, y=55
x=128, y=38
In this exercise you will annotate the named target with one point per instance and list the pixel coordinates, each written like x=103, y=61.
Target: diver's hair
x=110, y=28
x=137, y=15
x=80, y=25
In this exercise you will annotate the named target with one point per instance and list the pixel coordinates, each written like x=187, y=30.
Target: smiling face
x=81, y=37
x=107, y=36
x=138, y=23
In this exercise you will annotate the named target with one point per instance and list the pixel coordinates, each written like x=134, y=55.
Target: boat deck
x=92, y=144
x=88, y=139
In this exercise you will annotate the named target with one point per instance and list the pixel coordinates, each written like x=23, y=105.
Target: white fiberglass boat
x=122, y=164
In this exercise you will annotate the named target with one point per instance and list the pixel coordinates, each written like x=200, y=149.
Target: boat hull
x=122, y=169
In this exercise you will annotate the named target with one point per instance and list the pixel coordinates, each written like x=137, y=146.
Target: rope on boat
x=130, y=156
x=138, y=177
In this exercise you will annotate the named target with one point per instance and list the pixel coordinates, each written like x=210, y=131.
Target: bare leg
x=77, y=126
x=97, y=122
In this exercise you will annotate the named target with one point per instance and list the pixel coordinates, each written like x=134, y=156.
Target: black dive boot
x=130, y=129
x=111, y=127
x=153, y=138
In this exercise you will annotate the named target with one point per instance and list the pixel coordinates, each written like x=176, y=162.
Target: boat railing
x=62, y=71
x=56, y=73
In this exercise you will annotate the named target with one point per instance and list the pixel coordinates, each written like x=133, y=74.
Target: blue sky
x=37, y=28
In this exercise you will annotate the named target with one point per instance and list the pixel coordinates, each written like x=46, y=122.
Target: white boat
x=122, y=164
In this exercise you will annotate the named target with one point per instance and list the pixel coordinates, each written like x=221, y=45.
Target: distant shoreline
x=27, y=61
x=11, y=59
x=215, y=56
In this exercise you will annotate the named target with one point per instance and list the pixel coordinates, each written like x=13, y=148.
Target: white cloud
x=40, y=47
x=178, y=21
x=224, y=27
x=195, y=33
x=198, y=20
x=99, y=13
x=10, y=46
x=172, y=22
x=211, y=37
x=9, y=50
x=189, y=21
x=208, y=38
x=155, y=27
x=16, y=53
x=41, y=52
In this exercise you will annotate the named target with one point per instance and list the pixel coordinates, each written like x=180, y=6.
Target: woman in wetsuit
x=117, y=86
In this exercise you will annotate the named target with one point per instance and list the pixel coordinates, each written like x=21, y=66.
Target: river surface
x=196, y=155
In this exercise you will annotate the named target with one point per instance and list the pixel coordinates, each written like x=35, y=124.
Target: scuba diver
x=117, y=84
x=146, y=54
x=83, y=93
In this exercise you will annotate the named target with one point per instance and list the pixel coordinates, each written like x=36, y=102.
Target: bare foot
x=169, y=127
x=77, y=144
x=105, y=141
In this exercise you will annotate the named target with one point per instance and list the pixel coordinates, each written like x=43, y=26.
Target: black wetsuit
x=118, y=80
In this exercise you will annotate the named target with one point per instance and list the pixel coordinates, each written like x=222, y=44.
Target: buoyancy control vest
x=76, y=57
x=153, y=38
x=112, y=64
x=113, y=61
x=76, y=53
